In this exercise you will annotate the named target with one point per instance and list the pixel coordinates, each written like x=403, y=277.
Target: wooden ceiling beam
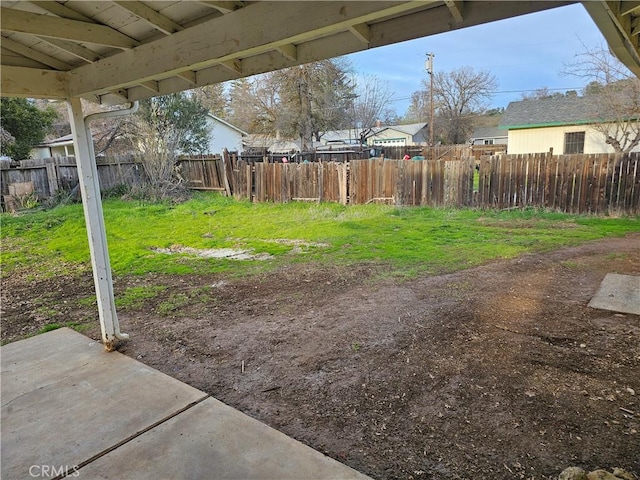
x=627, y=8
x=193, y=49
x=456, y=8
x=189, y=76
x=34, y=83
x=234, y=66
x=34, y=54
x=12, y=20
x=62, y=11
x=222, y=7
x=152, y=86
x=288, y=50
x=74, y=49
x=148, y=14
x=635, y=26
x=362, y=31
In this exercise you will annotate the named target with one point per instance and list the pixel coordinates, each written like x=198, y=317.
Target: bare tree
x=213, y=97
x=458, y=96
x=372, y=102
x=253, y=104
x=314, y=98
x=419, y=108
x=614, y=95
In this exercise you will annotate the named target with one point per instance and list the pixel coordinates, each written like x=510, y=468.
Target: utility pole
x=429, y=67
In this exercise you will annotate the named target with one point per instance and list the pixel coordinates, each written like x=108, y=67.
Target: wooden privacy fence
x=50, y=175
x=597, y=183
x=603, y=183
x=283, y=182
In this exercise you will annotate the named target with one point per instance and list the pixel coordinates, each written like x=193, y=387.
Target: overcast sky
x=524, y=53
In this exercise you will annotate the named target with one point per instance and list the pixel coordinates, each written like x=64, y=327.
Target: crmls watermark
x=42, y=471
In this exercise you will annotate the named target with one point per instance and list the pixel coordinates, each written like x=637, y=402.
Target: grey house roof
x=548, y=112
x=488, y=132
x=410, y=129
x=64, y=140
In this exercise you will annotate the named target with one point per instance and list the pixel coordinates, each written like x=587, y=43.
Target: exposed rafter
x=289, y=51
x=12, y=20
x=234, y=66
x=617, y=29
x=362, y=32
x=628, y=8
x=155, y=19
x=34, y=54
x=185, y=45
x=456, y=9
x=149, y=60
x=189, y=76
x=62, y=11
x=74, y=49
x=152, y=86
x=223, y=7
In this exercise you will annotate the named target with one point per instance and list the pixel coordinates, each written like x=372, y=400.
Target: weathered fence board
x=49, y=175
x=603, y=183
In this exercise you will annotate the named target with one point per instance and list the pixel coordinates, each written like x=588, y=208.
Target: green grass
x=135, y=297
x=407, y=240
x=78, y=327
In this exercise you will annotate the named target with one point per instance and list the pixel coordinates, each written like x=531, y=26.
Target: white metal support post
x=96, y=231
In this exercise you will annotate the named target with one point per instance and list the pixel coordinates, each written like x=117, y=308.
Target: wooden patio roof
x=114, y=52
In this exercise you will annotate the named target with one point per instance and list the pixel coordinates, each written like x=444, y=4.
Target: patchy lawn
x=494, y=372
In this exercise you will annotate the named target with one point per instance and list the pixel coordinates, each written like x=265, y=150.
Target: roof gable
x=224, y=122
x=409, y=129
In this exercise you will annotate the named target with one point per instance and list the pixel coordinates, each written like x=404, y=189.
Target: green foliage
x=26, y=123
x=403, y=241
x=166, y=127
x=179, y=120
x=50, y=327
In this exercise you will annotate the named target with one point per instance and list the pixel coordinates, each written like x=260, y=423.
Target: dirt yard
x=496, y=372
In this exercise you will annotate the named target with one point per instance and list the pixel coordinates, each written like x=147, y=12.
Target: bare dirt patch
x=496, y=372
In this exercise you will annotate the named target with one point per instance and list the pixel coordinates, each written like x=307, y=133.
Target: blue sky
x=524, y=53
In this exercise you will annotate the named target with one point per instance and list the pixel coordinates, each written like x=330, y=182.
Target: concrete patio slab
x=618, y=293
x=71, y=409
x=66, y=400
x=212, y=440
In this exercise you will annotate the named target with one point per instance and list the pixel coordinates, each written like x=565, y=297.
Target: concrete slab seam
x=133, y=437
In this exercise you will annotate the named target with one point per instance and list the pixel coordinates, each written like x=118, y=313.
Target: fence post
x=225, y=162
x=52, y=176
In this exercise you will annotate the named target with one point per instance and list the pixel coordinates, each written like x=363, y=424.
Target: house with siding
x=58, y=147
x=400, y=135
x=564, y=124
x=489, y=136
x=387, y=136
x=221, y=135
x=224, y=135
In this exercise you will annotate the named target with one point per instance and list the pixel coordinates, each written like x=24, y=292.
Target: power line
x=507, y=91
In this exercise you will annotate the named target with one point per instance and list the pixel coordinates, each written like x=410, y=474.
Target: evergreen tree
x=26, y=124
